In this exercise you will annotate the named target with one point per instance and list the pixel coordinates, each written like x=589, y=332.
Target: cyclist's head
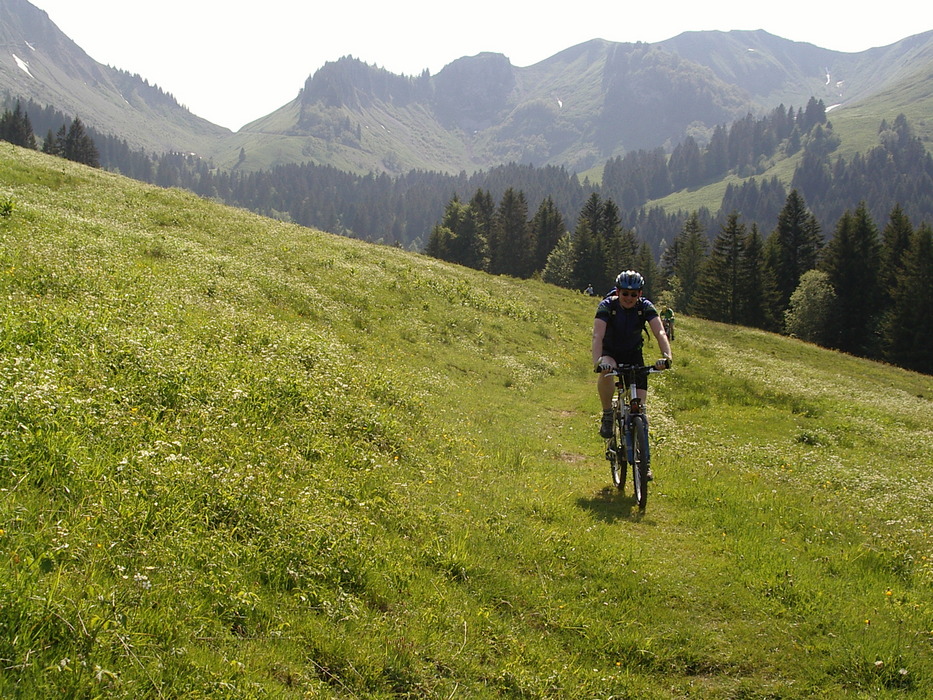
x=630, y=280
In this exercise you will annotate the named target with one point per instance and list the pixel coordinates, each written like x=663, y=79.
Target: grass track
x=243, y=459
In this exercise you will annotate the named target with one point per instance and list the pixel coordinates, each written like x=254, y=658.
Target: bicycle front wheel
x=640, y=468
x=617, y=461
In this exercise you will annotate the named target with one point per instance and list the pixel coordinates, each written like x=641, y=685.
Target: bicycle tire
x=617, y=462
x=641, y=455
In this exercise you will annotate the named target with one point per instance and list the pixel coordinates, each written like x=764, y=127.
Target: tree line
x=746, y=148
x=862, y=291
x=403, y=210
x=858, y=291
x=71, y=141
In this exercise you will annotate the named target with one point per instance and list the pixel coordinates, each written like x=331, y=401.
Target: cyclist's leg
x=641, y=387
x=605, y=386
x=641, y=381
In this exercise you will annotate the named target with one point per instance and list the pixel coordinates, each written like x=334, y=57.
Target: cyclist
x=617, y=339
x=667, y=320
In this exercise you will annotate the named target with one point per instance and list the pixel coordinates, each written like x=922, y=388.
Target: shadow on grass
x=610, y=505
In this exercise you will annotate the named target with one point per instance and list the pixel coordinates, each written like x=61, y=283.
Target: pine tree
x=54, y=144
x=646, y=265
x=590, y=265
x=456, y=237
x=794, y=245
x=461, y=221
x=759, y=294
x=483, y=210
x=16, y=128
x=471, y=244
x=547, y=228
x=443, y=242
x=619, y=245
x=895, y=240
x=669, y=258
x=814, y=115
x=716, y=158
x=686, y=164
x=513, y=251
x=851, y=261
x=591, y=214
x=721, y=285
x=909, y=329
x=79, y=147
x=692, y=245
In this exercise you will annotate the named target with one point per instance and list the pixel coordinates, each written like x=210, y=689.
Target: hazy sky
x=232, y=62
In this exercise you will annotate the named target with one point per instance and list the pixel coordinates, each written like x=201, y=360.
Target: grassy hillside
x=391, y=139
x=243, y=459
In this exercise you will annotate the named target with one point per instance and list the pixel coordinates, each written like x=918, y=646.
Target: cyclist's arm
x=663, y=343
x=599, y=332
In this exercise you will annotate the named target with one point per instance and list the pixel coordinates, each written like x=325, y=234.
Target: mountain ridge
x=827, y=73
x=575, y=109
x=585, y=104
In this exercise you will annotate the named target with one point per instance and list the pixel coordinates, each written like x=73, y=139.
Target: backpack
x=614, y=308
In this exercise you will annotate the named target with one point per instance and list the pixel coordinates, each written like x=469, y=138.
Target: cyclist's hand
x=602, y=366
x=663, y=363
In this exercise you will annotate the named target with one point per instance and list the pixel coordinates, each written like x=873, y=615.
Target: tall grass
x=243, y=459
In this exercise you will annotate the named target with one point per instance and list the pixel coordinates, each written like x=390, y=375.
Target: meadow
x=244, y=459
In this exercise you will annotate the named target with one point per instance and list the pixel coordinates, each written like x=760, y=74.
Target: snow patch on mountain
x=22, y=64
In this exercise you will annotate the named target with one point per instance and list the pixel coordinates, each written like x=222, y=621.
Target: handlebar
x=637, y=369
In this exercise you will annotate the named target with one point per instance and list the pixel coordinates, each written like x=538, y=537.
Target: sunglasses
x=628, y=292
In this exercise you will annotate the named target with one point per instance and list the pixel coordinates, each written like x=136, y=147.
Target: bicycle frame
x=630, y=432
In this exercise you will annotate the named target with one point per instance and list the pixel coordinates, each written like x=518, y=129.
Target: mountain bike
x=629, y=442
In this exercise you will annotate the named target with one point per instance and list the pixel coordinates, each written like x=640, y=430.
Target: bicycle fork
x=624, y=413
x=634, y=409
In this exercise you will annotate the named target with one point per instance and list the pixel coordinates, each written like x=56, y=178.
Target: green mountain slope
x=861, y=89
x=240, y=458
x=883, y=88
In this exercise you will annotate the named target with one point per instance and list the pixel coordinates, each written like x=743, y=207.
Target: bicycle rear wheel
x=640, y=468
x=617, y=462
